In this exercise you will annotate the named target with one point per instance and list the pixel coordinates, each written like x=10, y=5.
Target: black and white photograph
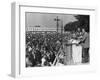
x=55, y=39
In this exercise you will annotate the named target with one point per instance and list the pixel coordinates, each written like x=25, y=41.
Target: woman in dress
x=76, y=51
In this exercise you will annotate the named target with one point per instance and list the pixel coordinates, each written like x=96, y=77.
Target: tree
x=72, y=26
x=82, y=22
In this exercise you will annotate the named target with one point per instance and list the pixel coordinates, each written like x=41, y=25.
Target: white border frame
x=18, y=37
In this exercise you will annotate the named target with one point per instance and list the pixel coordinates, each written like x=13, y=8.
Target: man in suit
x=85, y=45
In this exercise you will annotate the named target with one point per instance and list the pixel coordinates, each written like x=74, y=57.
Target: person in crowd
x=52, y=57
x=42, y=49
x=38, y=56
x=28, y=63
x=43, y=60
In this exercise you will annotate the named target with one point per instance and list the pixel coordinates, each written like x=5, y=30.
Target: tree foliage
x=82, y=22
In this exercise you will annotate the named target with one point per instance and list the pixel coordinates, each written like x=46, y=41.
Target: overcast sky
x=47, y=20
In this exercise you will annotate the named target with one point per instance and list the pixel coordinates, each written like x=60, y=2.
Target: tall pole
x=57, y=20
x=61, y=26
x=62, y=31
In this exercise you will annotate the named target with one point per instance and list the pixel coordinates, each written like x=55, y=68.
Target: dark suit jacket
x=85, y=40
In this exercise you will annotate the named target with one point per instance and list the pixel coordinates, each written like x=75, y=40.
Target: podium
x=73, y=53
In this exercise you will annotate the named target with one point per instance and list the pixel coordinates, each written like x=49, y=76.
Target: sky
x=46, y=20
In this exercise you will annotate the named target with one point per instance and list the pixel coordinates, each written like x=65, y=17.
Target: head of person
x=83, y=30
x=78, y=30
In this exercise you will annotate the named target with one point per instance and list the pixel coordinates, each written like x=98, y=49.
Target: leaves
x=83, y=22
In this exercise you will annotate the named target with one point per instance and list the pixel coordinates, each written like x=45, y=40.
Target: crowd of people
x=47, y=49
